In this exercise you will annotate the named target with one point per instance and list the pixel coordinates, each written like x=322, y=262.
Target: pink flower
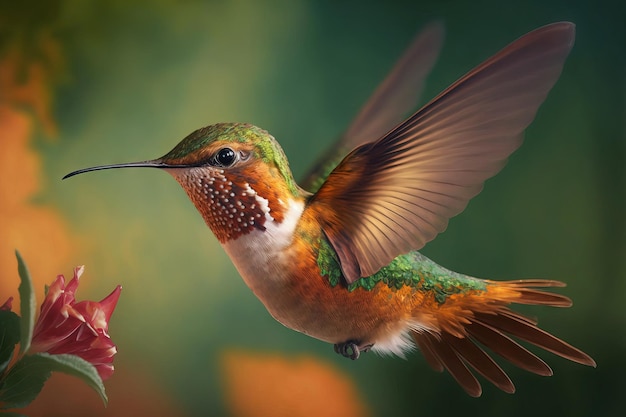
x=7, y=304
x=81, y=329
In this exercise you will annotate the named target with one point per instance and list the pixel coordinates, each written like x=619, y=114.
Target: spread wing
x=394, y=195
x=394, y=98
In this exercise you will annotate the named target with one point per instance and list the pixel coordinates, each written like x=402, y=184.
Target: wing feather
x=393, y=195
x=398, y=93
x=394, y=98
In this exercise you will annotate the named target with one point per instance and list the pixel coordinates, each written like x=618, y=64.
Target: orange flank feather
x=452, y=333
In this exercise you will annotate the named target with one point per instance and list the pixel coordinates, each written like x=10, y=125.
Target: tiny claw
x=350, y=349
x=366, y=348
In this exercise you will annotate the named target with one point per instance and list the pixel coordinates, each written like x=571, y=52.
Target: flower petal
x=109, y=303
x=77, y=328
x=8, y=304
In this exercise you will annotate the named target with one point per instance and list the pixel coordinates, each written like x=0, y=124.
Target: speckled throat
x=231, y=205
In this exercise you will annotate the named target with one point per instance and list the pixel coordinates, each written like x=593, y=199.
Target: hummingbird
x=336, y=258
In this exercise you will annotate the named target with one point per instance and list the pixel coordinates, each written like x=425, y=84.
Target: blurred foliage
x=121, y=81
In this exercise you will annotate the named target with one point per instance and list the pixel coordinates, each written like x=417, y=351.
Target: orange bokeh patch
x=264, y=385
x=36, y=230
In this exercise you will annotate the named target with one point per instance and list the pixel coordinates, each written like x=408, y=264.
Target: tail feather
x=455, y=364
x=517, y=326
x=481, y=362
x=508, y=349
x=469, y=321
x=428, y=351
x=527, y=294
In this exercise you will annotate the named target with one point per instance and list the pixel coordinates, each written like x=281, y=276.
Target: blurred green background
x=88, y=83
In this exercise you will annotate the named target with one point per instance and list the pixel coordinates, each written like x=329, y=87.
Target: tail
x=467, y=321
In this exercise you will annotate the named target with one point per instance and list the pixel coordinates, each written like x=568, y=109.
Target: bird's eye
x=225, y=157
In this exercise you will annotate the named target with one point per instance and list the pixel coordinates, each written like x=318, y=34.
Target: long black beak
x=145, y=164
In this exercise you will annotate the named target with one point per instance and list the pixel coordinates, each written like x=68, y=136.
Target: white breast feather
x=259, y=255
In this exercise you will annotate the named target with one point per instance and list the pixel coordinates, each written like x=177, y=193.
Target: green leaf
x=27, y=377
x=23, y=382
x=27, y=304
x=9, y=336
x=10, y=414
x=78, y=367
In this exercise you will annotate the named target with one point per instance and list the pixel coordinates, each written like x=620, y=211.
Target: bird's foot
x=351, y=349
